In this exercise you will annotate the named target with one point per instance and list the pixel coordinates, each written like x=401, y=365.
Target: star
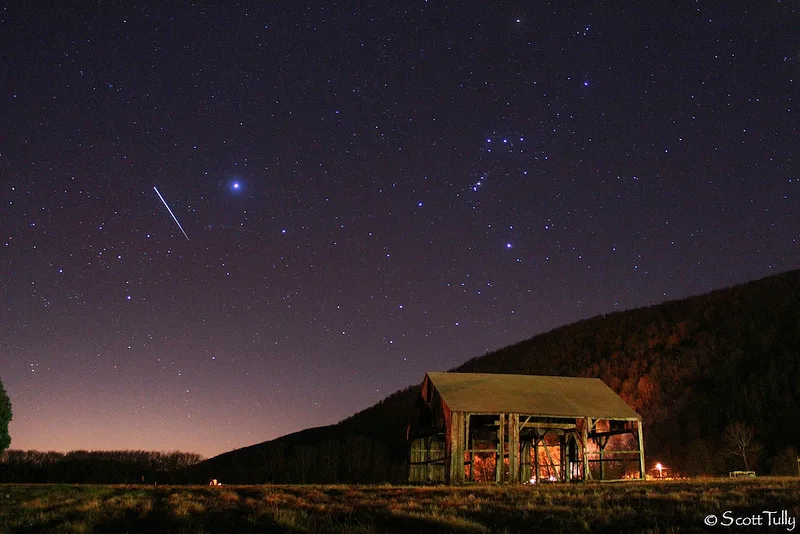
x=236, y=185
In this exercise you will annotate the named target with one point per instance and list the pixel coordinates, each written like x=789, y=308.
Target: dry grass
x=652, y=507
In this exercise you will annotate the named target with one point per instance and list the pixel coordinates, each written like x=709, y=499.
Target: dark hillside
x=689, y=367
x=367, y=447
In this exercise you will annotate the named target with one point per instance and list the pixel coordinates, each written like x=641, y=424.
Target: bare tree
x=739, y=438
x=786, y=462
x=303, y=457
x=357, y=451
x=331, y=456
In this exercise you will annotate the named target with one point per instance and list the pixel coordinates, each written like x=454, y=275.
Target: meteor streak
x=170, y=212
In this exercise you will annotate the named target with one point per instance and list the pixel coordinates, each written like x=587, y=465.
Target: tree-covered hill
x=690, y=367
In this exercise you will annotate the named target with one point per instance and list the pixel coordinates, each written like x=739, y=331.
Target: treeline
x=95, y=467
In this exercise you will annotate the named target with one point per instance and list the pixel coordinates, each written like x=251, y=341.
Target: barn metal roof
x=545, y=396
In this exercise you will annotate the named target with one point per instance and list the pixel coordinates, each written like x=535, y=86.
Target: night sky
x=369, y=191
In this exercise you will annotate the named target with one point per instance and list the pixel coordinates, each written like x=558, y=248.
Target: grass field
x=656, y=507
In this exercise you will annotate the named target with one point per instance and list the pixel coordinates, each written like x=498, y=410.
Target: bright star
x=236, y=185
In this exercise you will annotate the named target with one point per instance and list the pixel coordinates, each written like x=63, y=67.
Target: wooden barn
x=522, y=428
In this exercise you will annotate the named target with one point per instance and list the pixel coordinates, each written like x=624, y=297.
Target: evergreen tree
x=5, y=418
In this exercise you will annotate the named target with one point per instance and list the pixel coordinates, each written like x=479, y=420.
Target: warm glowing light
x=660, y=469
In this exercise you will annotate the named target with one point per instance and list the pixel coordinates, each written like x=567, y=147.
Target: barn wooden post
x=587, y=421
x=602, y=442
x=525, y=460
x=564, y=461
x=457, y=448
x=641, y=449
x=536, y=455
x=499, y=466
x=513, y=447
x=468, y=444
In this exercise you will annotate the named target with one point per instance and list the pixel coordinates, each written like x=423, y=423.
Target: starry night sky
x=370, y=190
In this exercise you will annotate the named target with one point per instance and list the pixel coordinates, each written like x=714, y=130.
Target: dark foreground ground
x=656, y=507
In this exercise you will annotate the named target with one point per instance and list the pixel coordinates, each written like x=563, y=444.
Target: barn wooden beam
x=602, y=442
x=614, y=451
x=457, y=448
x=499, y=466
x=641, y=450
x=550, y=464
x=561, y=426
x=513, y=447
x=525, y=460
x=468, y=444
x=587, y=423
